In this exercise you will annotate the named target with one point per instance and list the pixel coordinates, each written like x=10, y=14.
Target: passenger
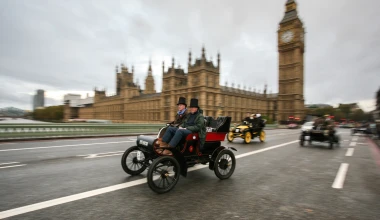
x=179, y=118
x=254, y=121
x=192, y=124
x=260, y=121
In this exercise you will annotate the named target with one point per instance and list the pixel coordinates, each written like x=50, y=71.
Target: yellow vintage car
x=246, y=132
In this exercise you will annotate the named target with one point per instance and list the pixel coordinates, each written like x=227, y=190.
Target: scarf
x=181, y=112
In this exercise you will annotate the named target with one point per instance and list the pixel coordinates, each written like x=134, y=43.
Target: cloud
x=75, y=45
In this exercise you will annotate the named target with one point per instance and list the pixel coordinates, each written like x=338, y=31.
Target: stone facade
x=131, y=104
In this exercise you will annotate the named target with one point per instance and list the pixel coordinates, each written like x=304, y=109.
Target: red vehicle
x=164, y=171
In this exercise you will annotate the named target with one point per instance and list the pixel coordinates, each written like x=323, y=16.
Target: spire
x=290, y=11
x=133, y=69
x=163, y=67
x=117, y=68
x=150, y=67
x=173, y=62
x=203, y=52
x=189, y=57
x=265, y=88
x=218, y=60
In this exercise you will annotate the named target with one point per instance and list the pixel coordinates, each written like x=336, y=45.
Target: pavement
x=277, y=179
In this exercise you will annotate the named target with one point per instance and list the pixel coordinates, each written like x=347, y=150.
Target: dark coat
x=179, y=119
x=199, y=126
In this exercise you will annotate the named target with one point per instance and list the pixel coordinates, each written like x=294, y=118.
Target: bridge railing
x=26, y=131
x=8, y=131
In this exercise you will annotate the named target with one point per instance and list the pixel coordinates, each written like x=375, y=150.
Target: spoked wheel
x=163, y=174
x=262, y=136
x=302, y=142
x=247, y=137
x=230, y=136
x=133, y=161
x=225, y=164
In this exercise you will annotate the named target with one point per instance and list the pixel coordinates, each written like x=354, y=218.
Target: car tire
x=247, y=137
x=133, y=166
x=163, y=174
x=230, y=136
x=224, y=164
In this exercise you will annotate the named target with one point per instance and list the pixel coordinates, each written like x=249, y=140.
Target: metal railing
x=56, y=130
x=11, y=131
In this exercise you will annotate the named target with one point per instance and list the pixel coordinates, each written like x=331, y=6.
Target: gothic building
x=132, y=104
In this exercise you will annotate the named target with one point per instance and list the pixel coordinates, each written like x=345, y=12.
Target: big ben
x=291, y=65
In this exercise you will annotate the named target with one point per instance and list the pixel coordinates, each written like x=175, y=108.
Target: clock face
x=287, y=36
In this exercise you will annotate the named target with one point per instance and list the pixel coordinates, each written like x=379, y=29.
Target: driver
x=193, y=123
x=247, y=119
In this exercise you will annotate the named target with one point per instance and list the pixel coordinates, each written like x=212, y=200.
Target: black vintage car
x=320, y=134
x=164, y=171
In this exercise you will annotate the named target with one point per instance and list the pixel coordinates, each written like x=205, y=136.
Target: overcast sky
x=73, y=46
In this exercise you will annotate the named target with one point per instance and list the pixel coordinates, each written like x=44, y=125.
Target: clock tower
x=291, y=56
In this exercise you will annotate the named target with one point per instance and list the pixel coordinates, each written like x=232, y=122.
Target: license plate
x=237, y=130
x=307, y=138
x=139, y=155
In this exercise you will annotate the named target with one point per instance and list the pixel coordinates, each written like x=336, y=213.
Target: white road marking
x=340, y=176
x=20, y=165
x=265, y=149
x=85, y=155
x=352, y=144
x=354, y=138
x=362, y=143
x=70, y=145
x=66, y=199
x=350, y=152
x=8, y=163
x=95, y=156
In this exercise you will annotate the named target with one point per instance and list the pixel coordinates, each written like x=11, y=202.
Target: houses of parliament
x=131, y=104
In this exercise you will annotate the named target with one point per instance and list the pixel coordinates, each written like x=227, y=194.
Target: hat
x=182, y=100
x=194, y=103
x=258, y=115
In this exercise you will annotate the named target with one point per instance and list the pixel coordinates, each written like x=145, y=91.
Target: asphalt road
x=277, y=179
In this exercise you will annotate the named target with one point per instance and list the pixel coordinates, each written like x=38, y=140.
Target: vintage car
x=164, y=171
x=320, y=134
x=246, y=132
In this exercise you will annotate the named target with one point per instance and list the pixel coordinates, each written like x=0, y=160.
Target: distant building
x=39, y=99
x=11, y=112
x=318, y=106
x=75, y=100
x=202, y=81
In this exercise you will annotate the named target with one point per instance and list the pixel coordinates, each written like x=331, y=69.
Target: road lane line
x=8, y=163
x=20, y=165
x=265, y=149
x=350, y=152
x=352, y=144
x=95, y=156
x=70, y=145
x=340, y=176
x=66, y=199
x=86, y=155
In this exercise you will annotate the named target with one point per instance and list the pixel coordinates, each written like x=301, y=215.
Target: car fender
x=181, y=160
